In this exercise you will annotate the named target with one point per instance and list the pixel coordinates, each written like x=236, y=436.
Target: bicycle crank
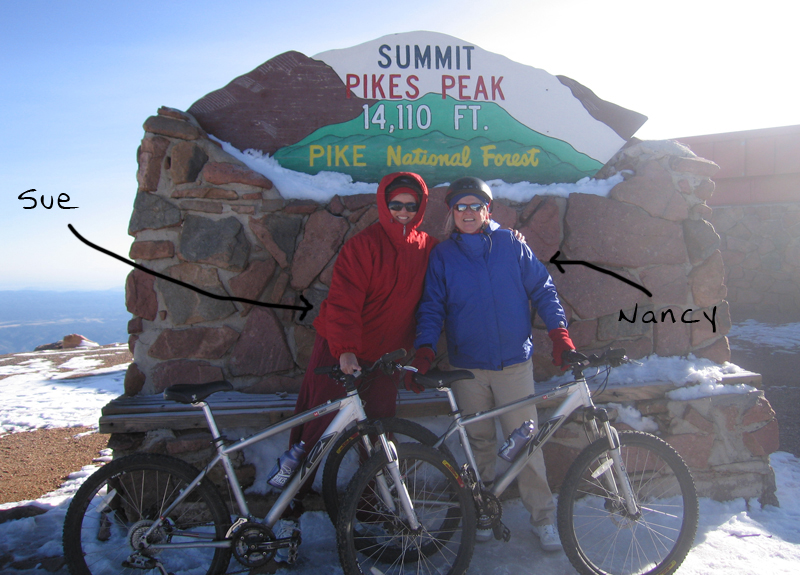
x=490, y=512
x=253, y=544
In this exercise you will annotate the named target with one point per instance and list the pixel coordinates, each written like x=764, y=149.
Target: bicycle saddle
x=438, y=378
x=194, y=392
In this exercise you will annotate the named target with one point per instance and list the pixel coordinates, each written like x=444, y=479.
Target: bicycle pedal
x=292, y=549
x=501, y=532
x=287, y=547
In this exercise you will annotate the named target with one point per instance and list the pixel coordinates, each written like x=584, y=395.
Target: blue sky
x=80, y=78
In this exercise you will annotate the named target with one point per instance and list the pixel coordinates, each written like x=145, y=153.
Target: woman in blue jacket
x=480, y=285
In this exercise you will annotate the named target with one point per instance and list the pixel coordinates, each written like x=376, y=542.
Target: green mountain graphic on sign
x=440, y=139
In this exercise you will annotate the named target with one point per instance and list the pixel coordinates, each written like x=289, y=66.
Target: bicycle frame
x=349, y=409
x=576, y=395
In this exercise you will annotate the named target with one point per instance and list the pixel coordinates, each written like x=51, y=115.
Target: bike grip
x=571, y=356
x=614, y=354
x=615, y=357
x=393, y=355
x=324, y=370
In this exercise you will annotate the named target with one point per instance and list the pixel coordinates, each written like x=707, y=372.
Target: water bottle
x=517, y=441
x=286, y=465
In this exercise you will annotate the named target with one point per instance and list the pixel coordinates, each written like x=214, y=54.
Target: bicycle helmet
x=468, y=186
x=403, y=184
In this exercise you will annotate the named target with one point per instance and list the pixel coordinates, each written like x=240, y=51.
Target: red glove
x=561, y=343
x=422, y=361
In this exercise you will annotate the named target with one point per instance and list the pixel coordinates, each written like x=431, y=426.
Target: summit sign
x=418, y=101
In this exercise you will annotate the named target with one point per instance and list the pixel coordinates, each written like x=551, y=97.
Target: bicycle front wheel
x=348, y=454
x=113, y=509
x=373, y=534
x=599, y=531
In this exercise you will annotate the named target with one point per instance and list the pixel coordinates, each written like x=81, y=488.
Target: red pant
x=377, y=390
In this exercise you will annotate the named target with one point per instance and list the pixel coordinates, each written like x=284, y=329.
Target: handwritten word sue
x=62, y=199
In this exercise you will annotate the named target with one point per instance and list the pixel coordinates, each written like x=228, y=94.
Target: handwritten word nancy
x=650, y=317
x=62, y=199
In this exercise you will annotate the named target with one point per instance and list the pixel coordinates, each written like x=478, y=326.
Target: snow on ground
x=780, y=338
x=734, y=537
x=39, y=392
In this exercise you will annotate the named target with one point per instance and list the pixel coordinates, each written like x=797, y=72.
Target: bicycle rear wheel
x=373, y=539
x=601, y=536
x=119, y=502
x=348, y=454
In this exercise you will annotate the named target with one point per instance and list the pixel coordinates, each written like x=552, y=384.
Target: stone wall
x=760, y=246
x=724, y=439
x=202, y=217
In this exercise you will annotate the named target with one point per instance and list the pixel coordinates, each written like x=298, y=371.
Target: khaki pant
x=496, y=388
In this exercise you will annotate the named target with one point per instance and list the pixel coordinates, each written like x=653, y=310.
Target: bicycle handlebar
x=386, y=363
x=577, y=361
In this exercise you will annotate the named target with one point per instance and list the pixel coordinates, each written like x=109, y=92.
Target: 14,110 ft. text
x=409, y=118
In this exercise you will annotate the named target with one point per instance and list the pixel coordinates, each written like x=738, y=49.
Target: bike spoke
x=600, y=532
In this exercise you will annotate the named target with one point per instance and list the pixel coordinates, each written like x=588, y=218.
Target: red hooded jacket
x=377, y=283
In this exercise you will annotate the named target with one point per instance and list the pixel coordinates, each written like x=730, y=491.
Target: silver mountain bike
x=155, y=513
x=627, y=506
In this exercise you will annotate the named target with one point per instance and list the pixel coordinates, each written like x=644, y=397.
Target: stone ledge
x=235, y=409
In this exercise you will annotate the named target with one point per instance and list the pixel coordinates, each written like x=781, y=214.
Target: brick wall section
x=757, y=215
x=756, y=166
x=760, y=246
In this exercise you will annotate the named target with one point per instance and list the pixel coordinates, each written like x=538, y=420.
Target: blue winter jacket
x=480, y=286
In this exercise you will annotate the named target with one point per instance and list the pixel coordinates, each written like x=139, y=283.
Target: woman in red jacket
x=376, y=286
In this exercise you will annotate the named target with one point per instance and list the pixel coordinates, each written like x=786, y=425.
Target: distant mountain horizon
x=30, y=318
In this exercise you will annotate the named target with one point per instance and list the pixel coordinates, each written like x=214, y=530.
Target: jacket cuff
x=338, y=351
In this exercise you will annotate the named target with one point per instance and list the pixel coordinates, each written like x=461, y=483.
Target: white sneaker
x=483, y=535
x=548, y=537
x=287, y=528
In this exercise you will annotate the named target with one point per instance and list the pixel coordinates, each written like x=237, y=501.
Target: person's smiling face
x=469, y=221
x=404, y=216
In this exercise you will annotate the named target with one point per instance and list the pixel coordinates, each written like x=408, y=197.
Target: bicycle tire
x=121, y=499
x=372, y=539
x=345, y=457
x=600, y=537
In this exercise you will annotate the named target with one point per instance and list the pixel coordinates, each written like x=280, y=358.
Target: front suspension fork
x=617, y=483
x=393, y=466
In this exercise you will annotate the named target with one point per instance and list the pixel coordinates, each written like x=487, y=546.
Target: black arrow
x=304, y=309
x=560, y=263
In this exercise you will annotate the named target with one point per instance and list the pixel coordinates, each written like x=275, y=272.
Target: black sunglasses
x=474, y=207
x=397, y=206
